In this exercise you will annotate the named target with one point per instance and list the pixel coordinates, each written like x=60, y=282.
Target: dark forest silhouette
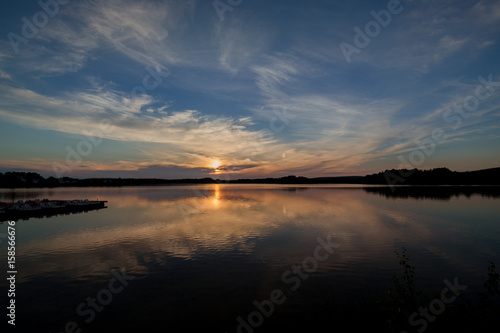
x=439, y=176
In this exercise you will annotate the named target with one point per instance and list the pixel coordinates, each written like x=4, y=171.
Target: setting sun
x=215, y=164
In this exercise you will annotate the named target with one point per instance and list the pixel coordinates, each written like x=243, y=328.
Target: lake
x=241, y=258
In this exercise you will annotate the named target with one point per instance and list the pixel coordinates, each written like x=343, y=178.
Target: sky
x=248, y=88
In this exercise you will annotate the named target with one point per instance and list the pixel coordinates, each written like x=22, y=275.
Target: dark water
x=191, y=258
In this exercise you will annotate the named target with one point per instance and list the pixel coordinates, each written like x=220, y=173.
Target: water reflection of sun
x=217, y=195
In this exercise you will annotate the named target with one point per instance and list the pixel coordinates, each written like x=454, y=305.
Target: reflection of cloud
x=224, y=219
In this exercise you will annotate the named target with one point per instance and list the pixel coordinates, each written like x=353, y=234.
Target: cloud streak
x=228, y=81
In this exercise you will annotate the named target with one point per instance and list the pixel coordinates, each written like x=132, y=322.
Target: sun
x=215, y=164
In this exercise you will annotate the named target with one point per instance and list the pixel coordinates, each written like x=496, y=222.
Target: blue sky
x=248, y=88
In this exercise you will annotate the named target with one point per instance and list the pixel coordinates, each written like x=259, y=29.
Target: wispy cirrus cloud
x=226, y=81
x=187, y=133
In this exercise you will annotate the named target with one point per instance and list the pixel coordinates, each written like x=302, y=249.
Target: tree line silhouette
x=439, y=176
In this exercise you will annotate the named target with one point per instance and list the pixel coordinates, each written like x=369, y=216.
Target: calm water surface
x=201, y=255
